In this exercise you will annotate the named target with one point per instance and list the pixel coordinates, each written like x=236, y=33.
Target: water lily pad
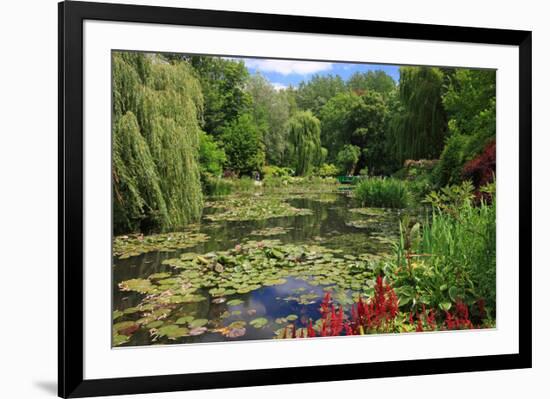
x=198, y=323
x=185, y=320
x=259, y=322
x=235, y=302
x=172, y=331
x=217, y=292
x=124, y=325
x=237, y=324
x=155, y=324
x=117, y=314
x=292, y=317
x=158, y=276
x=193, y=298
x=143, y=286
x=119, y=339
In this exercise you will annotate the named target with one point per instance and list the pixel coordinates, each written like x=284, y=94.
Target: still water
x=331, y=225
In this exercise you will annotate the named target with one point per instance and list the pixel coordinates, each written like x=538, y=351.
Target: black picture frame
x=71, y=183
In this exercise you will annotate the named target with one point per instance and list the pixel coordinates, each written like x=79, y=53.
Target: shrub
x=276, y=171
x=449, y=169
x=328, y=170
x=481, y=170
x=382, y=192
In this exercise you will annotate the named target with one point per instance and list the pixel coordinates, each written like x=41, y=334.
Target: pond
x=253, y=267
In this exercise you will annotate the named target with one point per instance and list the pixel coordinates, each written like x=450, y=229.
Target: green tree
x=156, y=111
x=378, y=81
x=359, y=120
x=223, y=86
x=470, y=102
x=305, y=142
x=242, y=145
x=315, y=93
x=367, y=123
x=418, y=126
x=347, y=158
x=334, y=116
x=270, y=110
x=211, y=156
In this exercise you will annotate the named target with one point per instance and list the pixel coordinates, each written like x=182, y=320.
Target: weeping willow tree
x=157, y=107
x=417, y=128
x=305, y=141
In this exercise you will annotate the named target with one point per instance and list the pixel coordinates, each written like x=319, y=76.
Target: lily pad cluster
x=271, y=231
x=136, y=244
x=252, y=208
x=171, y=304
x=323, y=197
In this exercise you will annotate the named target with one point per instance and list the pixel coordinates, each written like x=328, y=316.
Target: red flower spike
x=419, y=325
x=310, y=330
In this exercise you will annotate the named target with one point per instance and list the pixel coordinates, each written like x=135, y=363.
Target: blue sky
x=282, y=73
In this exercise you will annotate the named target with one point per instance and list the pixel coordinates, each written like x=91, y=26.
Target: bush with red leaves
x=482, y=169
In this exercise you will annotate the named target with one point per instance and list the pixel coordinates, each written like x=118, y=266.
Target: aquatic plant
x=271, y=231
x=382, y=192
x=252, y=208
x=129, y=245
x=198, y=279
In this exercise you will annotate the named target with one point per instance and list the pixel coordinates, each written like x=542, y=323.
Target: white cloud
x=289, y=67
x=278, y=86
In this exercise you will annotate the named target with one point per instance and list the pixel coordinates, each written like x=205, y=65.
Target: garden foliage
x=157, y=107
x=382, y=192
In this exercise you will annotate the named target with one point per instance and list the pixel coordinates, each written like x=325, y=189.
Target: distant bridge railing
x=349, y=179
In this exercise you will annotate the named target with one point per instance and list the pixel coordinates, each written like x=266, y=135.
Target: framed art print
x=252, y=199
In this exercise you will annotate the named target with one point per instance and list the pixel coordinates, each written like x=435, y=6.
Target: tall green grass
x=452, y=257
x=218, y=186
x=382, y=192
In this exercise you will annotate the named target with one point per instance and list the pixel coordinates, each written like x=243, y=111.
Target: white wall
x=28, y=202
